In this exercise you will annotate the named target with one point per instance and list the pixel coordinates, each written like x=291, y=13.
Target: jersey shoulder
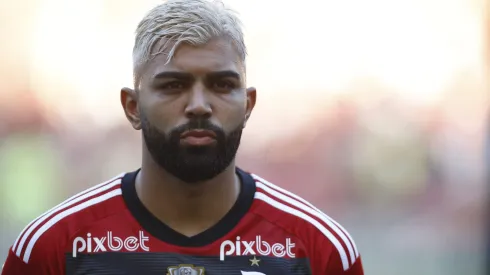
x=48, y=235
x=323, y=236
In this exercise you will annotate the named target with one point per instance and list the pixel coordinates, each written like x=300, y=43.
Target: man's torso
x=108, y=230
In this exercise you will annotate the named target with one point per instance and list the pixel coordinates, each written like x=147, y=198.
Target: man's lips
x=198, y=133
x=198, y=137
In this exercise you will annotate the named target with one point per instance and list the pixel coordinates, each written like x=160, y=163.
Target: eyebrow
x=184, y=75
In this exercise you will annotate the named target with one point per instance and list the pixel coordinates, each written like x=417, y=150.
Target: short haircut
x=194, y=22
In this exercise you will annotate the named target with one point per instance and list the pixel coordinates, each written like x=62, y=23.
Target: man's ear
x=251, y=98
x=129, y=102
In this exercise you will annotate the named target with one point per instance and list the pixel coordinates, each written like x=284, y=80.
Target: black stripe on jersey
x=114, y=263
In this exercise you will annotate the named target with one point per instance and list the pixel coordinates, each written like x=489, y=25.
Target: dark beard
x=191, y=164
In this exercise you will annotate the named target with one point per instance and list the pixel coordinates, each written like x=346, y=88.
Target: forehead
x=216, y=55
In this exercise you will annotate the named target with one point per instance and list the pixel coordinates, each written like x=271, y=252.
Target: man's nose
x=198, y=105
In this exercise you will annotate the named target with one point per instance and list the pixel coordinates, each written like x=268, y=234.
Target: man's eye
x=224, y=85
x=174, y=85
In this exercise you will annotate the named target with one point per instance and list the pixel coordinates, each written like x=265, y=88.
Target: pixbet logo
x=242, y=248
x=93, y=244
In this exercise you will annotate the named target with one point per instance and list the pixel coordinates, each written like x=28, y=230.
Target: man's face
x=193, y=109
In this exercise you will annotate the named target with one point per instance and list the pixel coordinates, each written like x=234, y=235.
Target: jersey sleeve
x=336, y=267
x=40, y=263
x=336, y=256
x=40, y=255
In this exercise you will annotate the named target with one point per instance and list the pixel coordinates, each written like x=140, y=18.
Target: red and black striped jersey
x=107, y=230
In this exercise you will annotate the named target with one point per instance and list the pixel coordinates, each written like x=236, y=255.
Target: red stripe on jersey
x=31, y=228
x=293, y=204
x=298, y=198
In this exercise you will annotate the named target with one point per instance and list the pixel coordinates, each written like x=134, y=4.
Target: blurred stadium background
x=375, y=110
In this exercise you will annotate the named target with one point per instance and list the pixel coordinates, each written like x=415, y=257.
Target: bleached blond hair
x=184, y=21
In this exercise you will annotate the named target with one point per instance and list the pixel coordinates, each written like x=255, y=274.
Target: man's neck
x=187, y=208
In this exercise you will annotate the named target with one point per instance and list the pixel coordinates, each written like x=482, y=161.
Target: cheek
x=162, y=116
x=232, y=113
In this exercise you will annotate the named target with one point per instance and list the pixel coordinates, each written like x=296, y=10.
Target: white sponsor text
x=256, y=247
x=109, y=243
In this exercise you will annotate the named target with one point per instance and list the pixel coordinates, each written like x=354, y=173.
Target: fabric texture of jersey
x=107, y=230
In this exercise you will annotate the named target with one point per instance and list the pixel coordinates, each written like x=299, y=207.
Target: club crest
x=185, y=269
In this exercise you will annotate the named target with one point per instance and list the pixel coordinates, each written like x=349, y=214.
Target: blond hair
x=184, y=21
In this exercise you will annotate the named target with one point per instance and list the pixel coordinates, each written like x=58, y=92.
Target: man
x=188, y=206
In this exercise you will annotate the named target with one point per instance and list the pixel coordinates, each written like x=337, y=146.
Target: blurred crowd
x=406, y=180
